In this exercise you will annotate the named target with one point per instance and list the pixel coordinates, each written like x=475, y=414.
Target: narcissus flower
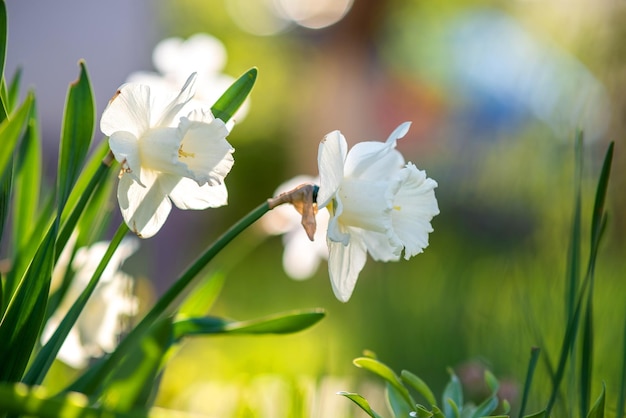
x=165, y=157
x=99, y=325
x=301, y=256
x=378, y=205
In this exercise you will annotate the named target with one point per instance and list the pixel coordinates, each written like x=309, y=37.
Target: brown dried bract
x=302, y=199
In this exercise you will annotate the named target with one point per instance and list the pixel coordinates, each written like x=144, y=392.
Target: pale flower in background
x=100, y=323
x=378, y=205
x=301, y=256
x=175, y=58
x=165, y=157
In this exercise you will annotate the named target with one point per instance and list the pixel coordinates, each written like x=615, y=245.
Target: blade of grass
x=382, y=370
x=621, y=398
x=361, y=402
x=586, y=364
x=11, y=131
x=22, y=321
x=77, y=131
x=4, y=102
x=27, y=183
x=534, y=356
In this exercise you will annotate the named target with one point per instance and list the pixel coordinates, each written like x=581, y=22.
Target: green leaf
x=452, y=396
x=361, y=402
x=397, y=402
x=19, y=328
x=597, y=410
x=534, y=356
x=27, y=183
x=233, y=98
x=77, y=131
x=422, y=412
x=598, y=207
x=131, y=384
x=11, y=130
x=95, y=172
x=14, y=90
x=3, y=54
x=6, y=186
x=486, y=407
x=419, y=385
x=282, y=323
x=621, y=398
x=382, y=370
x=202, y=298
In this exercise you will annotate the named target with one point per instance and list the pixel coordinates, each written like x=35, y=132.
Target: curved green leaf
x=11, y=130
x=78, y=127
x=27, y=183
x=382, y=370
x=419, y=385
x=282, y=323
x=233, y=98
x=361, y=402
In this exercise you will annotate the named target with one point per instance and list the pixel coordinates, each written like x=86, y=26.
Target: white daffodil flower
x=165, y=157
x=301, y=256
x=378, y=205
x=100, y=323
x=176, y=58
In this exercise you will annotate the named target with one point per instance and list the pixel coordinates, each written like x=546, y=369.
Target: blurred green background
x=495, y=91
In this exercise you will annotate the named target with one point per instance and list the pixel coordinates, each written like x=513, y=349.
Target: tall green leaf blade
x=598, y=207
x=530, y=372
x=586, y=359
x=361, y=402
x=19, y=328
x=13, y=93
x=4, y=102
x=6, y=186
x=382, y=370
x=283, y=323
x=27, y=183
x=11, y=130
x=233, y=98
x=78, y=128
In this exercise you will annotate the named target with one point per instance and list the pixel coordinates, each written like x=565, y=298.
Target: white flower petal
x=331, y=156
x=144, y=209
x=415, y=206
x=345, y=262
x=125, y=148
x=205, y=150
x=398, y=133
x=380, y=247
x=129, y=110
x=187, y=194
x=373, y=161
x=164, y=113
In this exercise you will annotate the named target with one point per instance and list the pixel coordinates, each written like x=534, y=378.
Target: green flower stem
x=48, y=353
x=70, y=223
x=98, y=375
